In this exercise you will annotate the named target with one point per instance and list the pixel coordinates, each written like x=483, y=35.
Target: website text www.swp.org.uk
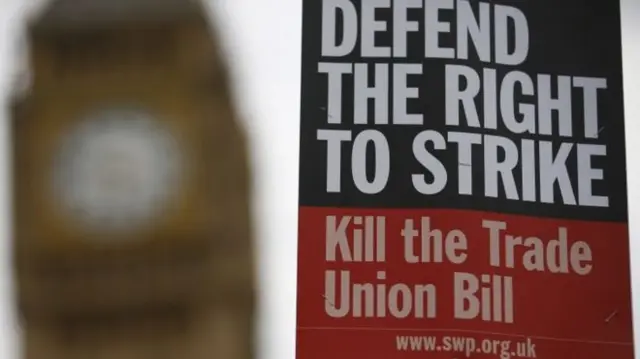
x=503, y=349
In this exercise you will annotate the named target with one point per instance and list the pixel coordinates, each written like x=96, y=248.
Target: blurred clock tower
x=131, y=188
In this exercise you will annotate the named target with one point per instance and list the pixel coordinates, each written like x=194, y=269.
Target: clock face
x=116, y=170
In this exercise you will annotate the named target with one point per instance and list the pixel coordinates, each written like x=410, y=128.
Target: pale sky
x=263, y=39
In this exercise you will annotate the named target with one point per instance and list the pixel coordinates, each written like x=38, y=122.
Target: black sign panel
x=505, y=106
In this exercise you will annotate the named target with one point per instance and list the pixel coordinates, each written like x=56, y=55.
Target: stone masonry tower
x=131, y=187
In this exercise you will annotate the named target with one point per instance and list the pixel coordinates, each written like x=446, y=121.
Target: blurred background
x=263, y=44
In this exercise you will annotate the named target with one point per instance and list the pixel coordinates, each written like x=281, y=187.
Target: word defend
x=535, y=145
